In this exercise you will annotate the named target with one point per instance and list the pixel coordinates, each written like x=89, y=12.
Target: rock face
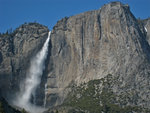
x=94, y=44
x=16, y=50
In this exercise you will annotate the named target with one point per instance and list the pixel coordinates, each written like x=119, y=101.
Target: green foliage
x=97, y=96
x=23, y=111
x=9, y=32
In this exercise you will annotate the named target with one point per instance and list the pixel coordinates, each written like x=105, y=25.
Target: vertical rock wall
x=96, y=43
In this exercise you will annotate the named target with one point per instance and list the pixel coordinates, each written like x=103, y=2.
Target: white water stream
x=33, y=79
x=45, y=95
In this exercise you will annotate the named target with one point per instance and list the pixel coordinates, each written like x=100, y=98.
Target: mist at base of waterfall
x=31, y=108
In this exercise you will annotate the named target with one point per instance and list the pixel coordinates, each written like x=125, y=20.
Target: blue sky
x=47, y=12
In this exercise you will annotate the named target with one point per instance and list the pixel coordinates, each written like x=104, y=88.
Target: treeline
x=8, y=32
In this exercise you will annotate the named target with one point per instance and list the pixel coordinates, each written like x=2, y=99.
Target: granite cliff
x=105, y=52
x=94, y=44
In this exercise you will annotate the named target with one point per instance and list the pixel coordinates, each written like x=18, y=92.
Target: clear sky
x=47, y=12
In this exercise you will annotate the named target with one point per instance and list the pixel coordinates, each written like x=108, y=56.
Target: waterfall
x=33, y=78
x=45, y=95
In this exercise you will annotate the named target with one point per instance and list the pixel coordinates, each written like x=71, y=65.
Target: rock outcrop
x=16, y=51
x=94, y=44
